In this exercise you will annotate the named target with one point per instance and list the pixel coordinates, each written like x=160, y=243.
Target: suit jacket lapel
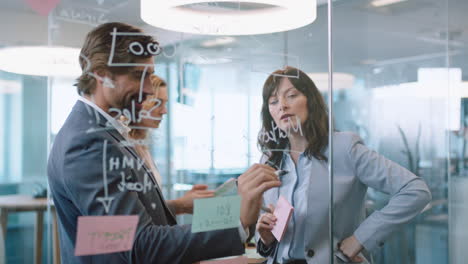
x=100, y=122
x=115, y=134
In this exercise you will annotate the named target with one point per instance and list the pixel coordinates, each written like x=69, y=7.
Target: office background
x=400, y=72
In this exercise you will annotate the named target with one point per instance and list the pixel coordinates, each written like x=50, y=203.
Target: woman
x=153, y=110
x=294, y=138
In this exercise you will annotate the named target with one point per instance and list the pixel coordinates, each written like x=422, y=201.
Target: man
x=87, y=160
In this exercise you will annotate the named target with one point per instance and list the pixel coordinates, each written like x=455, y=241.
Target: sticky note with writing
x=105, y=234
x=283, y=211
x=216, y=213
x=229, y=260
x=227, y=188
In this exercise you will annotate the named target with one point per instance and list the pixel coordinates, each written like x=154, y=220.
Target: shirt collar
x=117, y=124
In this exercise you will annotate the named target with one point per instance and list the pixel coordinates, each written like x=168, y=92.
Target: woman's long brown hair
x=315, y=128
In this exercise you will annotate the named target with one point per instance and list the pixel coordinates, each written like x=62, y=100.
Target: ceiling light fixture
x=41, y=60
x=380, y=3
x=279, y=15
x=341, y=81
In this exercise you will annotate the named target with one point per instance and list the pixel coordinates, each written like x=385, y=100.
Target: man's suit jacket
x=355, y=168
x=82, y=149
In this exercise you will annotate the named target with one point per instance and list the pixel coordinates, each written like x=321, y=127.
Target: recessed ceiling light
x=279, y=15
x=380, y=3
x=41, y=60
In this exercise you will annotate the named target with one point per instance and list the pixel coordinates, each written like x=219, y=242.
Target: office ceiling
x=396, y=39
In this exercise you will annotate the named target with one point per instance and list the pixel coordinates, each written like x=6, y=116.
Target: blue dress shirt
x=294, y=189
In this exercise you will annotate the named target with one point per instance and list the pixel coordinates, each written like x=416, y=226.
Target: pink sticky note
x=236, y=260
x=43, y=7
x=283, y=212
x=105, y=234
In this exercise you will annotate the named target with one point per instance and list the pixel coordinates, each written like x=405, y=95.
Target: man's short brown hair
x=98, y=47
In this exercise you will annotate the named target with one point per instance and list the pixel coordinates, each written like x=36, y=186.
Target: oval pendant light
x=218, y=19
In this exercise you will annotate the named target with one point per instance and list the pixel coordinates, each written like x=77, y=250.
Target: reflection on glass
x=405, y=102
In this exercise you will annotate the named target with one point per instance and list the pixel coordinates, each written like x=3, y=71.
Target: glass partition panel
x=214, y=86
x=398, y=106
x=215, y=105
x=391, y=173
x=457, y=135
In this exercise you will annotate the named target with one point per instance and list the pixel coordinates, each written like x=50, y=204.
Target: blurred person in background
x=139, y=133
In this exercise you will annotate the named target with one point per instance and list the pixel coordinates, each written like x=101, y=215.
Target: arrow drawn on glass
x=106, y=200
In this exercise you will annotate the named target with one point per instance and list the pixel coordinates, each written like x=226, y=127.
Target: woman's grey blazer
x=356, y=167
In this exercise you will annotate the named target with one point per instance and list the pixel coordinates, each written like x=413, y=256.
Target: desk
x=231, y=260
x=255, y=261
x=253, y=256
x=24, y=203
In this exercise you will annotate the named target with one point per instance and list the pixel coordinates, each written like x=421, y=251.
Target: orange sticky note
x=283, y=212
x=230, y=260
x=105, y=234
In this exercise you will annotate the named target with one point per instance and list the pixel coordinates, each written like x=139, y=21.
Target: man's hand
x=251, y=186
x=351, y=248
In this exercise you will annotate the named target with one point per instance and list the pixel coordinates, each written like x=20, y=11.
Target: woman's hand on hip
x=351, y=248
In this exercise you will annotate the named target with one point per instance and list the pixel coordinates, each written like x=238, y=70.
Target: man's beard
x=125, y=102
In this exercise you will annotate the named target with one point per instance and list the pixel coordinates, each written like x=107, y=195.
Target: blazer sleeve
x=83, y=178
x=409, y=193
x=266, y=251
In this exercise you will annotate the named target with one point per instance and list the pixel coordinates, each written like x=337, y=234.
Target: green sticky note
x=227, y=188
x=216, y=213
